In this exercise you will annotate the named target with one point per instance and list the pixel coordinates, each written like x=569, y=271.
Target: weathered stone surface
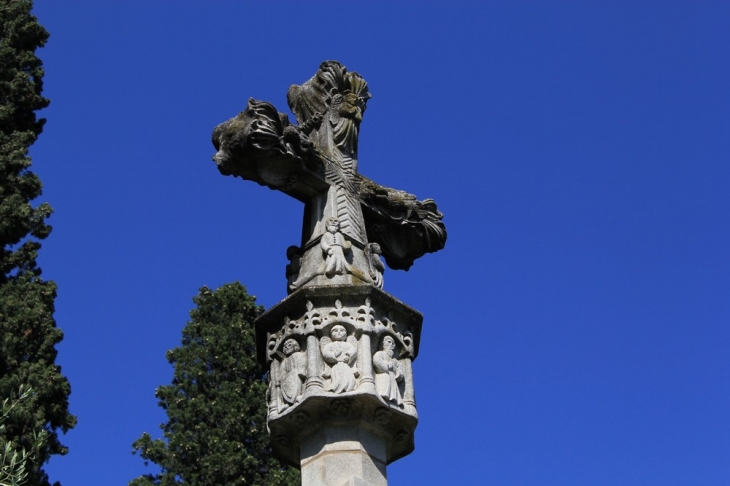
x=316, y=162
x=341, y=399
x=344, y=455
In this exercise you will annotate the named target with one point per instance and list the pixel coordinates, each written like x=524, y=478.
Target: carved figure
x=316, y=162
x=292, y=372
x=375, y=264
x=293, y=253
x=340, y=352
x=388, y=372
x=334, y=245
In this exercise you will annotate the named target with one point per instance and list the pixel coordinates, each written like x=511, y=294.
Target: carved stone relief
x=340, y=351
x=375, y=264
x=292, y=372
x=388, y=372
x=342, y=364
x=316, y=162
x=334, y=246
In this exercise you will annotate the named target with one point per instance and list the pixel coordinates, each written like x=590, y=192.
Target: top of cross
x=315, y=162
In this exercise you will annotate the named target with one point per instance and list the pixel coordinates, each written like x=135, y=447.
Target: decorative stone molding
x=340, y=353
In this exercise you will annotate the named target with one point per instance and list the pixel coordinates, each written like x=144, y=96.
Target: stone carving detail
x=334, y=349
x=329, y=107
x=382, y=416
x=332, y=367
x=334, y=245
x=388, y=372
x=292, y=372
x=340, y=407
x=375, y=264
x=340, y=352
x=300, y=418
x=294, y=255
x=385, y=208
x=320, y=319
x=315, y=161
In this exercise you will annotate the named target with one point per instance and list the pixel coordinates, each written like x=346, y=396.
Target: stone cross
x=316, y=163
x=341, y=402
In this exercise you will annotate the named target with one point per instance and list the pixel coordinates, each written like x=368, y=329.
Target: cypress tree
x=216, y=404
x=28, y=332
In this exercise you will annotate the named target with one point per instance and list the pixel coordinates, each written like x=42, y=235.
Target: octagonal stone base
x=340, y=380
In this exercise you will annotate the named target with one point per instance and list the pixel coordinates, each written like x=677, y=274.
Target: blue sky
x=576, y=324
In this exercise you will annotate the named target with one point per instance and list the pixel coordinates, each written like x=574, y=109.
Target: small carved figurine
x=375, y=264
x=334, y=245
x=294, y=254
x=340, y=352
x=292, y=372
x=388, y=372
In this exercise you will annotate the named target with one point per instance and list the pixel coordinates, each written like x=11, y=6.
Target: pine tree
x=28, y=332
x=216, y=406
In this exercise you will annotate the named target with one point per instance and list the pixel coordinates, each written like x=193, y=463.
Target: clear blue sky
x=576, y=325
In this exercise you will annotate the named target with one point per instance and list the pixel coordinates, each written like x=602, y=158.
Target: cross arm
x=261, y=145
x=404, y=227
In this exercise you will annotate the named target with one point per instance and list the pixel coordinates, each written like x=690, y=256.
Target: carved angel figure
x=292, y=372
x=340, y=352
x=334, y=245
x=388, y=372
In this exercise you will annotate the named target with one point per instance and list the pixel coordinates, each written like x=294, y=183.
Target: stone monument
x=341, y=400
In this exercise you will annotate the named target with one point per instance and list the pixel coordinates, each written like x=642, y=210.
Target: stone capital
x=339, y=358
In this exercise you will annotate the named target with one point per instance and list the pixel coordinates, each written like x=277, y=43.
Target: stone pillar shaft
x=367, y=382
x=314, y=381
x=343, y=456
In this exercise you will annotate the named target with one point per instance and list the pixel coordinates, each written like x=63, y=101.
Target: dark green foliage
x=216, y=404
x=28, y=332
x=13, y=458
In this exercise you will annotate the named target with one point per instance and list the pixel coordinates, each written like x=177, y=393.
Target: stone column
x=314, y=380
x=339, y=349
x=409, y=395
x=343, y=455
x=367, y=382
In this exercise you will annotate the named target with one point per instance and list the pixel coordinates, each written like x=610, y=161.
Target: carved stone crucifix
x=348, y=219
